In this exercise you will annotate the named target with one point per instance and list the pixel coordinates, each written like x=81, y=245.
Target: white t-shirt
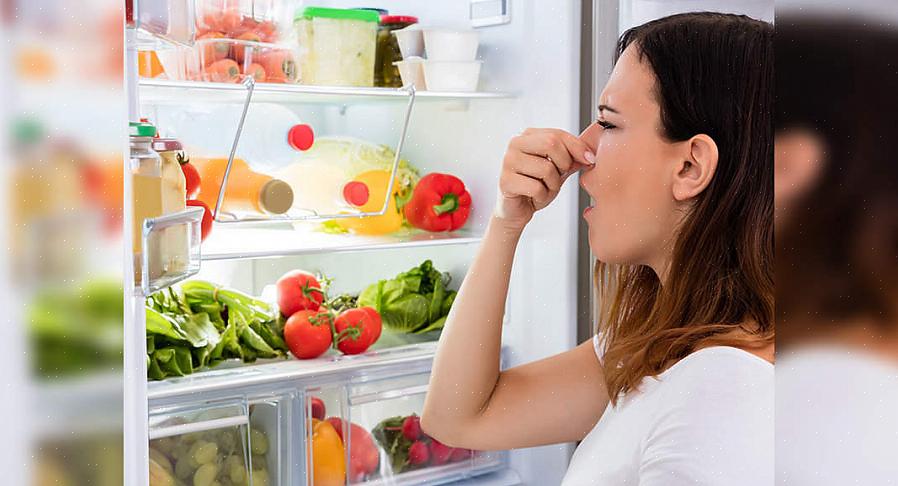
x=707, y=420
x=836, y=418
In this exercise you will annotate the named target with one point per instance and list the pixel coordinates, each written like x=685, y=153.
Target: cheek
x=629, y=189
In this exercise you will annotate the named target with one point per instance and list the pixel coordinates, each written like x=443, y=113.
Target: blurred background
x=63, y=133
x=837, y=243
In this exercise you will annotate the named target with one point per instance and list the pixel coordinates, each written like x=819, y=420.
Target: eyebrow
x=608, y=108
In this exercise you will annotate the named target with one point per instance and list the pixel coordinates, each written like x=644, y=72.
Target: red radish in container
x=256, y=71
x=418, y=454
x=411, y=427
x=298, y=290
x=440, y=453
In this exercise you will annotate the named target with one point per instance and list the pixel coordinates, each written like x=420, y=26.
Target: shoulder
x=712, y=420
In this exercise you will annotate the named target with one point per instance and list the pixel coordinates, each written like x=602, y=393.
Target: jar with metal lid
x=385, y=72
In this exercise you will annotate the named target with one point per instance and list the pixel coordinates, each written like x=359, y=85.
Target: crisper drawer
x=230, y=442
x=383, y=442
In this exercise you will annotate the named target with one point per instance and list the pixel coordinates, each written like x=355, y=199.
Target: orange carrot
x=257, y=71
x=223, y=71
x=279, y=65
x=242, y=51
x=214, y=50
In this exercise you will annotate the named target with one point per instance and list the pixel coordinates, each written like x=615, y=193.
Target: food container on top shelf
x=256, y=20
x=388, y=52
x=411, y=41
x=337, y=46
x=451, y=45
x=452, y=75
x=412, y=72
x=230, y=61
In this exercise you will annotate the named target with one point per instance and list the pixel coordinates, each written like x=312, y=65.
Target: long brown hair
x=714, y=75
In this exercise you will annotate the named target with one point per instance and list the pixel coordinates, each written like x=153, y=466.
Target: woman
x=677, y=386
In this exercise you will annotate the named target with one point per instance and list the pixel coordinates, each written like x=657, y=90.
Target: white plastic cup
x=451, y=45
x=452, y=75
x=411, y=41
x=411, y=71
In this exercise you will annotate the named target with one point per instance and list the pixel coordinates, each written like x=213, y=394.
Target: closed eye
x=605, y=125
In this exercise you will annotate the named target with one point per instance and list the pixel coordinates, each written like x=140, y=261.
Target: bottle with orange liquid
x=247, y=191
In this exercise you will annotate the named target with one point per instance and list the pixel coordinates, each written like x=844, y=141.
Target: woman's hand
x=535, y=166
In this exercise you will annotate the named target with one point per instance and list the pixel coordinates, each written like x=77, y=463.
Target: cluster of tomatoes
x=311, y=329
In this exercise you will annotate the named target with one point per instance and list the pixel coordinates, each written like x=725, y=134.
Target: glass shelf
x=228, y=242
x=292, y=370
x=157, y=91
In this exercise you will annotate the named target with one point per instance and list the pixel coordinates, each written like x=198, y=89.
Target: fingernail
x=590, y=157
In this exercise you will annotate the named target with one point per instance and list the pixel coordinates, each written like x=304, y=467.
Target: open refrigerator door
x=293, y=345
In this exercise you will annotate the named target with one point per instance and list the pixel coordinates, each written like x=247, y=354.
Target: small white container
x=451, y=45
x=411, y=70
x=411, y=41
x=452, y=75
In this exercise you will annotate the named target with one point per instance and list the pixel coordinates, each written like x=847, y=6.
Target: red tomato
x=298, y=290
x=363, y=455
x=206, y=225
x=192, y=177
x=308, y=333
x=376, y=317
x=356, y=330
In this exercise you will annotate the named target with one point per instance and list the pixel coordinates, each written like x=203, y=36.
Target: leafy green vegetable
x=202, y=325
x=413, y=301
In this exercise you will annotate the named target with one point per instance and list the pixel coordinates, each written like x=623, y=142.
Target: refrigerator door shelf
x=170, y=251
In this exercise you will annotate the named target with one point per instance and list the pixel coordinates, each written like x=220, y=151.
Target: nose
x=590, y=136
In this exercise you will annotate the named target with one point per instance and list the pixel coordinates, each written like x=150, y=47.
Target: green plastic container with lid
x=336, y=46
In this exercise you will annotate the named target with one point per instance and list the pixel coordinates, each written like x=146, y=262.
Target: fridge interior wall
x=536, y=58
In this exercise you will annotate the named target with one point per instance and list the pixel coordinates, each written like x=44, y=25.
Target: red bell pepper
x=438, y=203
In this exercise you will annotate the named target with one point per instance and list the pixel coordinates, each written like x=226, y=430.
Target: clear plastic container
x=231, y=442
x=259, y=20
x=337, y=46
x=230, y=61
x=385, y=72
x=384, y=417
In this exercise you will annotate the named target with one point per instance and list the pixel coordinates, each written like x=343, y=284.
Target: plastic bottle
x=272, y=138
x=247, y=191
x=375, y=183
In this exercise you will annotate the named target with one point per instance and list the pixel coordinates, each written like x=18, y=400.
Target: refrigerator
x=544, y=63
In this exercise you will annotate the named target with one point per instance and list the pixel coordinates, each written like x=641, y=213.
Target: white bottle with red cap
x=273, y=136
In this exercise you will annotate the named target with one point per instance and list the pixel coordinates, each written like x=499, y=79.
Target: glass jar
x=337, y=46
x=173, y=255
x=385, y=72
x=146, y=185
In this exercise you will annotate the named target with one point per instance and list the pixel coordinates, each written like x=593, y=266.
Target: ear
x=694, y=172
x=798, y=162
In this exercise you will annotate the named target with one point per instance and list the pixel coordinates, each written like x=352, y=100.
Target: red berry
x=411, y=428
x=418, y=454
x=439, y=452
